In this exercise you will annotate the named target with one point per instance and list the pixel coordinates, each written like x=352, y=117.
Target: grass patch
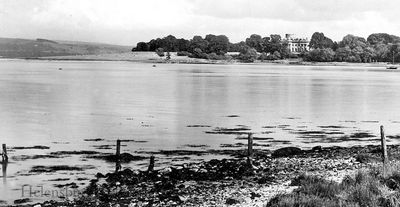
x=367, y=188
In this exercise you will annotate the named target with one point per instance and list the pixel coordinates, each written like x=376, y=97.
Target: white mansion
x=297, y=45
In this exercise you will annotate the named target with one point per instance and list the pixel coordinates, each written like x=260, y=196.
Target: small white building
x=297, y=45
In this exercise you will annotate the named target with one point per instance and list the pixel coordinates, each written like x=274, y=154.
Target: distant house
x=297, y=45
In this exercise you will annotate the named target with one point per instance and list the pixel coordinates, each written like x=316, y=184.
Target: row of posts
x=249, y=153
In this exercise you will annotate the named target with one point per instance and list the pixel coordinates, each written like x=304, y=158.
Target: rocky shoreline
x=227, y=181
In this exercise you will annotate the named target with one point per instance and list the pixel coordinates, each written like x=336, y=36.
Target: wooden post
x=118, y=156
x=384, y=150
x=250, y=149
x=4, y=155
x=4, y=169
x=151, y=165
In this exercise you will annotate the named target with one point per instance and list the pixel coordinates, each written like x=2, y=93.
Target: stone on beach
x=286, y=152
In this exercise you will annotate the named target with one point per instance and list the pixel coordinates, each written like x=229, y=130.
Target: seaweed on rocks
x=211, y=183
x=182, y=152
x=94, y=140
x=55, y=168
x=106, y=146
x=69, y=185
x=132, y=140
x=254, y=138
x=22, y=201
x=393, y=136
x=362, y=135
x=124, y=157
x=82, y=152
x=232, y=145
x=33, y=147
x=286, y=152
x=331, y=127
x=238, y=130
x=198, y=126
x=269, y=127
x=33, y=157
x=59, y=179
x=196, y=145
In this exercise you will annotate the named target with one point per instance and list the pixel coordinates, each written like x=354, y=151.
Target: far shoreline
x=152, y=58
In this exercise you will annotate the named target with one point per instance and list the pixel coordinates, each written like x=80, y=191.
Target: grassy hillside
x=26, y=48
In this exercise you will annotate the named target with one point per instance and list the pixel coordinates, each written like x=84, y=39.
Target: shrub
x=276, y=55
x=198, y=53
x=320, y=55
x=160, y=52
x=248, y=54
x=183, y=53
x=263, y=56
x=214, y=56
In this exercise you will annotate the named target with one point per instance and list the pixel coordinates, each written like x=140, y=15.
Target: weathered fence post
x=250, y=150
x=151, y=165
x=384, y=150
x=4, y=163
x=4, y=155
x=4, y=169
x=118, y=156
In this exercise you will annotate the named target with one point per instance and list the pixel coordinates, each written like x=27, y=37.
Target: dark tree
x=343, y=53
x=236, y=47
x=319, y=41
x=169, y=43
x=217, y=44
x=248, y=54
x=266, y=44
x=141, y=46
x=353, y=41
x=382, y=52
x=255, y=41
x=382, y=38
x=394, y=52
x=182, y=44
x=154, y=44
x=354, y=49
x=198, y=42
x=275, y=43
x=320, y=55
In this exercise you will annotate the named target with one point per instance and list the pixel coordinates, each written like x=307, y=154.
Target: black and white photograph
x=202, y=103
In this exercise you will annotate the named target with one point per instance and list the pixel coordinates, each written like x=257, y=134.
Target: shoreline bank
x=226, y=181
x=151, y=57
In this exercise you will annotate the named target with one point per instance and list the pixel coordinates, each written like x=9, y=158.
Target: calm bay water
x=59, y=104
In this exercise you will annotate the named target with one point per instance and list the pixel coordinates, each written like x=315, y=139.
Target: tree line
x=379, y=47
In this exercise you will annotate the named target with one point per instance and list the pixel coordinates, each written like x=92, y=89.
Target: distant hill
x=27, y=48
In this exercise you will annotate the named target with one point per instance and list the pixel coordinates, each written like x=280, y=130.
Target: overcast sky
x=128, y=21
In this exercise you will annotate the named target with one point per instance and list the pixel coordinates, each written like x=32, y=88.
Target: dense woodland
x=378, y=47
